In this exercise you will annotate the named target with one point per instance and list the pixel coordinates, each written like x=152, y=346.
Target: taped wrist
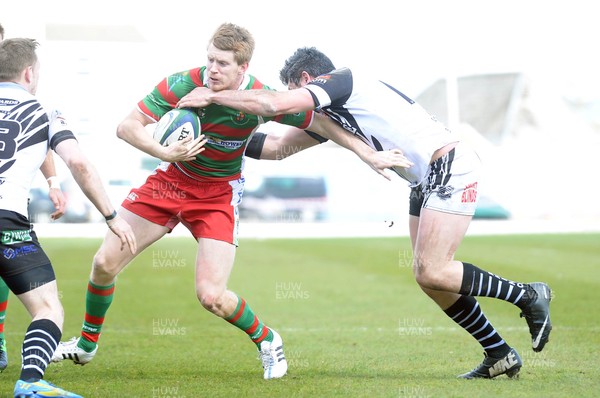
x=53, y=182
x=255, y=146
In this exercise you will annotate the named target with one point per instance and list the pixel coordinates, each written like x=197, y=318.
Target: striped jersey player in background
x=27, y=132
x=59, y=201
x=443, y=176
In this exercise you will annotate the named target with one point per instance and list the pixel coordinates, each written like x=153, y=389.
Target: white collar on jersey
x=245, y=82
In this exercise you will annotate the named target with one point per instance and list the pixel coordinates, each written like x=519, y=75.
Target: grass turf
x=353, y=320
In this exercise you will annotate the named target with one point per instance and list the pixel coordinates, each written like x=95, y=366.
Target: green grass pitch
x=353, y=320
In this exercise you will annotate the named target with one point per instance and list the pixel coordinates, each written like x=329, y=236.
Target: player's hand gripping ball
x=176, y=125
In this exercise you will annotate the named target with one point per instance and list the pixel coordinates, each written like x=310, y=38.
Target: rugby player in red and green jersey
x=199, y=183
x=226, y=130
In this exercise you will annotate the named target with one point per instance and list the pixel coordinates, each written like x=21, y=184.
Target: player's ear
x=243, y=68
x=305, y=78
x=28, y=74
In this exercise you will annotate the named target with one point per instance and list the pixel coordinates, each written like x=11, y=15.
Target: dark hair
x=307, y=59
x=1, y=32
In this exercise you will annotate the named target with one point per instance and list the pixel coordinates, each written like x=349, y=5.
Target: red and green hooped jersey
x=227, y=129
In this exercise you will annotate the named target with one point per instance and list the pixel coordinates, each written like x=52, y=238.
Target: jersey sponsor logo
x=12, y=237
x=469, y=194
x=8, y=102
x=225, y=143
x=174, y=80
x=322, y=79
x=12, y=253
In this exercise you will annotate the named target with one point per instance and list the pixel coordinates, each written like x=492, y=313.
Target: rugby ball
x=176, y=125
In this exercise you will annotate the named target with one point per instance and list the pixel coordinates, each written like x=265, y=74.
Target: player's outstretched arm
x=90, y=183
x=256, y=102
x=379, y=161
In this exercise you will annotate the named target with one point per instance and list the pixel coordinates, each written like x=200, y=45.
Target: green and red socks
x=244, y=318
x=99, y=298
x=97, y=301
x=3, y=304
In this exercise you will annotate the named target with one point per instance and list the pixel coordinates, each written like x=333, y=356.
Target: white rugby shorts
x=450, y=185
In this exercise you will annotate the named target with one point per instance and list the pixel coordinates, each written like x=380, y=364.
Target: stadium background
x=522, y=89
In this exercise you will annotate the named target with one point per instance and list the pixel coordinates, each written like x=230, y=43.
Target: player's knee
x=427, y=277
x=209, y=300
x=102, y=267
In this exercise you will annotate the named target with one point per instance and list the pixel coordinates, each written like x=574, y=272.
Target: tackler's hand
x=382, y=160
x=197, y=98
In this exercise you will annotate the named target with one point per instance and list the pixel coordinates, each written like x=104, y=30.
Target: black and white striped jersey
x=383, y=117
x=26, y=133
